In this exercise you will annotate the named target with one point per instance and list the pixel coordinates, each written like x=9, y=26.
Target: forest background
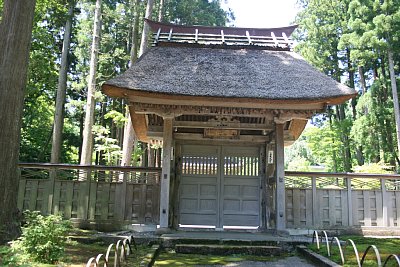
x=351, y=40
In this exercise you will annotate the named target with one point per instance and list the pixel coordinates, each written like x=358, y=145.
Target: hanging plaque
x=221, y=133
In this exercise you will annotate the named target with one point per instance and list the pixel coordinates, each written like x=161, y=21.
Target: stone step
x=214, y=249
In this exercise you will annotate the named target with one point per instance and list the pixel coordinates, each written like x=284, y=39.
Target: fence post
x=384, y=203
x=314, y=200
x=87, y=211
x=349, y=200
x=121, y=196
x=50, y=189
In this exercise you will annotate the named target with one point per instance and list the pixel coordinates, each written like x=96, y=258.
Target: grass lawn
x=169, y=258
x=386, y=246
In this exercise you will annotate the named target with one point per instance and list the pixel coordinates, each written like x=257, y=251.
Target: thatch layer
x=244, y=73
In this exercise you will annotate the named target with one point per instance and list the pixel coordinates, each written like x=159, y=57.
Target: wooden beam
x=158, y=35
x=248, y=37
x=156, y=133
x=274, y=38
x=280, y=178
x=166, y=172
x=170, y=34
x=198, y=109
x=242, y=138
x=286, y=38
x=227, y=125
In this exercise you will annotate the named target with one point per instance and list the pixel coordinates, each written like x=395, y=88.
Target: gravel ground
x=290, y=261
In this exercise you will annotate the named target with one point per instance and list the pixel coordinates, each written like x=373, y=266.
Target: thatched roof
x=230, y=73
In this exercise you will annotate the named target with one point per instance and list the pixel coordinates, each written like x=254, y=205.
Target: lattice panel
x=241, y=166
x=331, y=183
x=143, y=178
x=298, y=182
x=392, y=185
x=199, y=165
x=365, y=183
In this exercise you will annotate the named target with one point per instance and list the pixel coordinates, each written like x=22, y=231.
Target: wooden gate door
x=241, y=183
x=220, y=186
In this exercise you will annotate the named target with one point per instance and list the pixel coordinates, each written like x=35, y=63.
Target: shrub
x=43, y=238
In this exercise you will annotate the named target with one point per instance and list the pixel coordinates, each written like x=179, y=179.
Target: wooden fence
x=339, y=200
x=118, y=196
x=92, y=194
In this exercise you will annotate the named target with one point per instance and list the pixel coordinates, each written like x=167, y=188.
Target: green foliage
x=299, y=156
x=374, y=168
x=325, y=143
x=43, y=238
x=197, y=12
x=345, y=39
x=7, y=258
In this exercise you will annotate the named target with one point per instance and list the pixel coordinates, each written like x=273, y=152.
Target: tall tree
x=15, y=31
x=129, y=134
x=87, y=145
x=322, y=23
x=61, y=89
x=38, y=114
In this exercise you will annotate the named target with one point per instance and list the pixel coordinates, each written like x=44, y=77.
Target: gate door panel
x=220, y=186
x=199, y=185
x=241, y=186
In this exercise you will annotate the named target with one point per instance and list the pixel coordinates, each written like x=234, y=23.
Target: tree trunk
x=129, y=134
x=135, y=32
x=395, y=97
x=15, y=31
x=362, y=79
x=61, y=90
x=146, y=28
x=161, y=11
x=87, y=145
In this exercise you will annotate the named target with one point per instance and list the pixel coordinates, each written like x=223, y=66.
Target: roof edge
x=165, y=27
x=116, y=91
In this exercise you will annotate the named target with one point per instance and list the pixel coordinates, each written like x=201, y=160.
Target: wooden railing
x=91, y=194
x=334, y=200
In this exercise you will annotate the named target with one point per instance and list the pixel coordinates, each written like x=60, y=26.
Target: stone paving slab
x=236, y=236
x=289, y=261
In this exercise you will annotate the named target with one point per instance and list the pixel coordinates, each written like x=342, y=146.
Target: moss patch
x=386, y=246
x=171, y=258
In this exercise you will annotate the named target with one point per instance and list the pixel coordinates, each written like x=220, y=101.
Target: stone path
x=290, y=261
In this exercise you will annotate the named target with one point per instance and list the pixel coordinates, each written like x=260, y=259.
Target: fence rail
x=321, y=200
x=104, y=194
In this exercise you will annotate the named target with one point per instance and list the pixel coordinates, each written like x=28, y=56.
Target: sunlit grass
x=386, y=247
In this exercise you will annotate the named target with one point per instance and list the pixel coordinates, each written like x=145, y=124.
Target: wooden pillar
x=349, y=201
x=280, y=177
x=314, y=201
x=166, y=172
x=384, y=204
